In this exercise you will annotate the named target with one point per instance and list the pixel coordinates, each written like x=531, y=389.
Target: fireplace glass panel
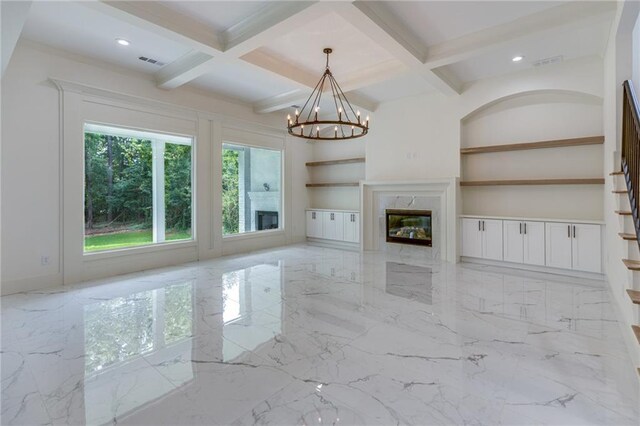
x=409, y=226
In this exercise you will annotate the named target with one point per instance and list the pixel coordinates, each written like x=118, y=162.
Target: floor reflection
x=410, y=282
x=317, y=336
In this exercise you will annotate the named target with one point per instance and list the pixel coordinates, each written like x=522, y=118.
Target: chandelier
x=345, y=124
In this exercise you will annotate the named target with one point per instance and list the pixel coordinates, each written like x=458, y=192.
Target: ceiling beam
x=270, y=22
x=298, y=97
x=384, y=28
x=160, y=20
x=273, y=21
x=183, y=70
x=14, y=15
x=483, y=41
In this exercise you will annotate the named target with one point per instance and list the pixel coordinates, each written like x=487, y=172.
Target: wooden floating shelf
x=633, y=265
x=636, y=331
x=634, y=295
x=627, y=237
x=329, y=185
x=619, y=191
x=334, y=162
x=623, y=213
x=616, y=173
x=581, y=181
x=559, y=143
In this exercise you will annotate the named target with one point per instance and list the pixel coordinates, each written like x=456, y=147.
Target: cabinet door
x=351, y=228
x=333, y=225
x=586, y=248
x=339, y=226
x=513, y=232
x=558, y=245
x=492, y=239
x=314, y=224
x=328, y=225
x=471, y=237
x=533, y=247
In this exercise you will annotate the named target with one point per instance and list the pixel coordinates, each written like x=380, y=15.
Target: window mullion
x=158, y=191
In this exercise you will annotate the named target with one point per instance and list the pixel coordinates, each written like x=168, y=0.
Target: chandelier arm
x=333, y=92
x=345, y=98
x=311, y=95
x=346, y=112
x=335, y=102
x=314, y=99
x=320, y=93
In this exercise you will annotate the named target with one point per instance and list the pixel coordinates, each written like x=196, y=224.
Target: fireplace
x=266, y=220
x=408, y=226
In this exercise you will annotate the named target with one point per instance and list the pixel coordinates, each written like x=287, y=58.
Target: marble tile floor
x=306, y=335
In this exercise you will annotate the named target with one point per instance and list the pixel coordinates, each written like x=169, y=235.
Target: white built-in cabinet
x=574, y=246
x=314, y=224
x=333, y=225
x=523, y=242
x=482, y=238
x=565, y=245
x=352, y=227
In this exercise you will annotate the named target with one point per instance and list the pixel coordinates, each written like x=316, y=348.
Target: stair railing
x=631, y=150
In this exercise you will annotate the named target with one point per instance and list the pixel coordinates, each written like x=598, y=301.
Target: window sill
x=152, y=248
x=254, y=234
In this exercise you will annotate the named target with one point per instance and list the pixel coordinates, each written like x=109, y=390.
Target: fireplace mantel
x=445, y=189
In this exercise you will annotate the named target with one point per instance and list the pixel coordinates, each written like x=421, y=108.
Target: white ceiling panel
x=405, y=84
x=219, y=15
x=570, y=43
x=352, y=50
x=434, y=22
x=76, y=28
x=243, y=82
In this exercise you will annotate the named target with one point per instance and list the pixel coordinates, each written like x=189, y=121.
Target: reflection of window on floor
x=251, y=189
x=120, y=329
x=248, y=293
x=137, y=188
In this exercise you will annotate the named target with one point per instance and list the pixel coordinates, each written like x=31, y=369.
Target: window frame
x=281, y=216
x=145, y=134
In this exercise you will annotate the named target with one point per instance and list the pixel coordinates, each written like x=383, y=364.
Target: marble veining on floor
x=307, y=335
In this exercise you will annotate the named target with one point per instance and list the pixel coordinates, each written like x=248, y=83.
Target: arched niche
x=532, y=116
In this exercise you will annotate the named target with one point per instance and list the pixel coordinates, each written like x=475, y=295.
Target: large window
x=137, y=188
x=251, y=189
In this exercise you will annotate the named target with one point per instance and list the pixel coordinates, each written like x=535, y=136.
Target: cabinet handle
x=479, y=226
x=525, y=228
x=331, y=216
x=569, y=231
x=313, y=215
x=574, y=231
x=483, y=225
x=521, y=227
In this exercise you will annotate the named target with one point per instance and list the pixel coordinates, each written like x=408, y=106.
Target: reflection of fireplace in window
x=409, y=227
x=266, y=220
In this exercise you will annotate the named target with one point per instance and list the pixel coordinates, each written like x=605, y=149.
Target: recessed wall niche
x=534, y=117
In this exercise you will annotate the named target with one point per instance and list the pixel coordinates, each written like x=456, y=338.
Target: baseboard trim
x=30, y=284
x=333, y=244
x=534, y=268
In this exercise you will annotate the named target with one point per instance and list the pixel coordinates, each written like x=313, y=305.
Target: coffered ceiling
x=269, y=53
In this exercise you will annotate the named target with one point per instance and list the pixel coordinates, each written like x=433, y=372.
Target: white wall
x=33, y=195
x=419, y=137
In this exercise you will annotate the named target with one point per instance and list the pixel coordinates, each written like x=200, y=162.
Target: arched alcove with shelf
x=534, y=154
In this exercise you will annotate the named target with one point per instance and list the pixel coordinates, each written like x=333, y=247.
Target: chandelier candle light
x=347, y=123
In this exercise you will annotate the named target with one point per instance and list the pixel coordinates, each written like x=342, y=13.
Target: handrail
x=631, y=150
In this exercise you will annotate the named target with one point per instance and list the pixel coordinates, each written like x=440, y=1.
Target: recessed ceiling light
x=517, y=58
x=122, y=42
